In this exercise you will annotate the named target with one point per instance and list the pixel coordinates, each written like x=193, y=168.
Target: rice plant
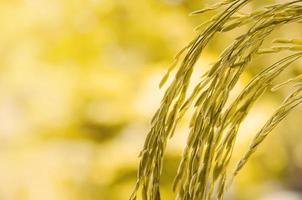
x=203, y=172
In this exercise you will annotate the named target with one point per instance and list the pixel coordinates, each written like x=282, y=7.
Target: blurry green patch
x=101, y=132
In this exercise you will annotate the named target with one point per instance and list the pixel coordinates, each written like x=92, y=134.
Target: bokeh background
x=79, y=85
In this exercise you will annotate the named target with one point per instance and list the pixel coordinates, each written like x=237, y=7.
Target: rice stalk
x=202, y=172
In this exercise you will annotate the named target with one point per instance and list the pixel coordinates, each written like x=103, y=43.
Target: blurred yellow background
x=79, y=84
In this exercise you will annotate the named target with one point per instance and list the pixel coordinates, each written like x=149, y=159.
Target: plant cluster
x=203, y=171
